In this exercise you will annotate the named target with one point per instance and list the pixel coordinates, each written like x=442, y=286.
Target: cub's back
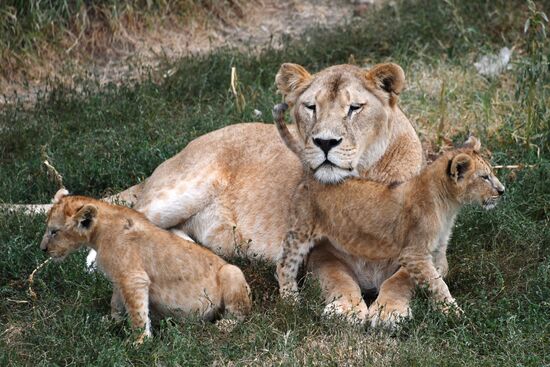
x=159, y=252
x=358, y=213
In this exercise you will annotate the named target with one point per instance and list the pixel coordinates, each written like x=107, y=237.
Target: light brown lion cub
x=407, y=222
x=148, y=266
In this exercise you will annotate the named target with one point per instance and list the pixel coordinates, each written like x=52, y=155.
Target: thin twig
x=31, y=278
x=515, y=166
x=52, y=172
x=234, y=81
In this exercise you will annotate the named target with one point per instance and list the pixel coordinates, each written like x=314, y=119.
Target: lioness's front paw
x=388, y=315
x=227, y=325
x=352, y=314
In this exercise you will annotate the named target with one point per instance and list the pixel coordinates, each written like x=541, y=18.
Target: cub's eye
x=485, y=177
x=354, y=108
x=53, y=232
x=310, y=107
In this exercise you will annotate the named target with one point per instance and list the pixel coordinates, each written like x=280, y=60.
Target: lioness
x=408, y=222
x=231, y=189
x=148, y=266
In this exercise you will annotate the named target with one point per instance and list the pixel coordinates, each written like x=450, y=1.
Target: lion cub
x=148, y=266
x=406, y=222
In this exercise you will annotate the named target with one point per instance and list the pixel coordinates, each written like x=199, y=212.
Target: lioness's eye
x=485, y=177
x=353, y=108
x=53, y=232
x=310, y=107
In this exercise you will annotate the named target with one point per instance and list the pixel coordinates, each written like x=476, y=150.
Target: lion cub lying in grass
x=148, y=266
x=407, y=222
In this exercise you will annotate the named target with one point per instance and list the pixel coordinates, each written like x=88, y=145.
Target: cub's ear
x=473, y=143
x=388, y=77
x=459, y=165
x=85, y=217
x=59, y=195
x=291, y=78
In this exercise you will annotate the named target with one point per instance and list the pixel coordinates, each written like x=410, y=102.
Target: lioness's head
x=343, y=115
x=472, y=177
x=69, y=226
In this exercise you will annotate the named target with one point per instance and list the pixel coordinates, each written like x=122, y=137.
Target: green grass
x=105, y=139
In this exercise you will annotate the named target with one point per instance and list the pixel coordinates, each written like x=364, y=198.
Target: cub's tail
x=286, y=136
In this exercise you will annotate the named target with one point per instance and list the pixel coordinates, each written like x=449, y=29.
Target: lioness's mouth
x=329, y=164
x=326, y=163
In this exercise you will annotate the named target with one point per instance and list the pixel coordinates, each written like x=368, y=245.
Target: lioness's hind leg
x=235, y=291
x=168, y=203
x=213, y=227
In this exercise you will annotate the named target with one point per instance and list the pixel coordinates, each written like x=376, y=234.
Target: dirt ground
x=260, y=24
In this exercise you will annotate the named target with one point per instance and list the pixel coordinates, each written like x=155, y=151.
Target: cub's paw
x=113, y=317
x=289, y=292
x=388, y=315
x=353, y=314
x=142, y=337
x=291, y=297
x=451, y=308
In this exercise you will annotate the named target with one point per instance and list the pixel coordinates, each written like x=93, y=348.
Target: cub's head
x=70, y=223
x=343, y=115
x=472, y=177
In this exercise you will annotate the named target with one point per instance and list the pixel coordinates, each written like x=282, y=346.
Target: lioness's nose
x=500, y=190
x=326, y=144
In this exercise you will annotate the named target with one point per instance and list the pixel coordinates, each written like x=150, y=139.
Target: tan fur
x=231, y=189
x=148, y=266
x=407, y=222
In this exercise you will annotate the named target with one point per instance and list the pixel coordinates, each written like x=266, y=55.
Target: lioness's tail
x=26, y=208
x=127, y=197
x=289, y=140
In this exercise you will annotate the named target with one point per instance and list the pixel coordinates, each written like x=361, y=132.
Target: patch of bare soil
x=259, y=24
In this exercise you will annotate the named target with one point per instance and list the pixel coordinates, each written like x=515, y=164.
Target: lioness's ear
x=459, y=165
x=473, y=143
x=59, y=195
x=388, y=77
x=291, y=78
x=85, y=217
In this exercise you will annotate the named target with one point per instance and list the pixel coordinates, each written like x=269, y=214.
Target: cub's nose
x=44, y=244
x=500, y=190
x=326, y=144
